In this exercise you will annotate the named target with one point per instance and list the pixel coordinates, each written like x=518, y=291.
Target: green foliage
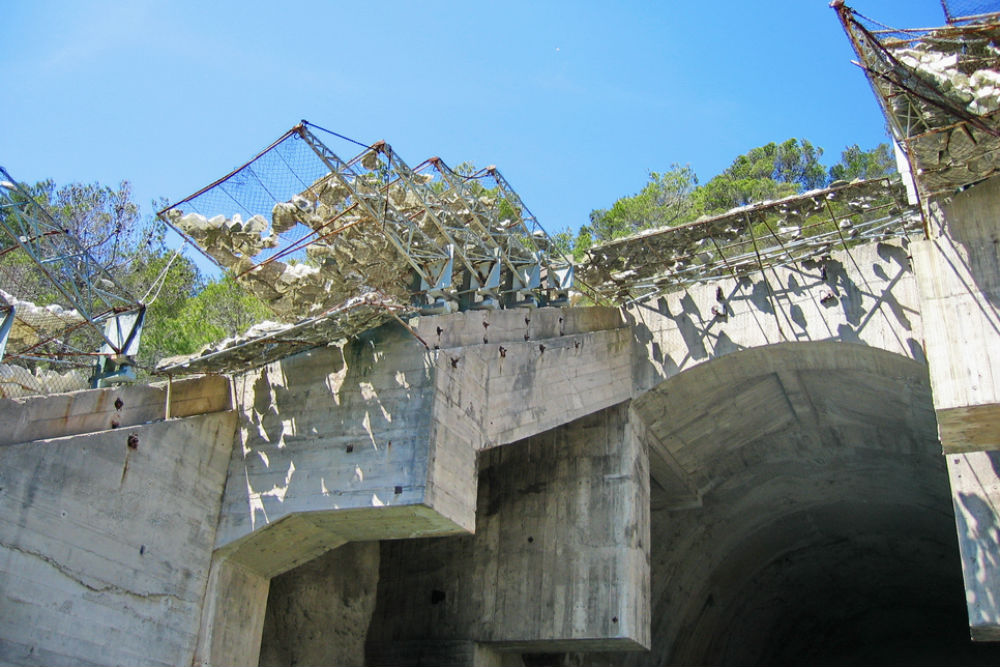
x=665, y=200
x=856, y=163
x=217, y=310
x=764, y=173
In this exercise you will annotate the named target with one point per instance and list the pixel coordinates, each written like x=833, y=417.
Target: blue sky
x=575, y=102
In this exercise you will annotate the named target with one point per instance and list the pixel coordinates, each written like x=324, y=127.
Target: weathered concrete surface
x=975, y=486
x=57, y=415
x=318, y=613
x=336, y=445
x=377, y=440
x=559, y=560
x=866, y=295
x=232, y=615
x=958, y=269
x=105, y=548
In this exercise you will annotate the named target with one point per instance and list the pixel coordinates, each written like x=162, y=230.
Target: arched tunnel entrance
x=823, y=530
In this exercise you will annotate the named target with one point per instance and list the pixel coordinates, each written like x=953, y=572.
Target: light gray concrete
x=682, y=475
x=975, y=485
x=959, y=277
x=105, y=547
x=559, y=560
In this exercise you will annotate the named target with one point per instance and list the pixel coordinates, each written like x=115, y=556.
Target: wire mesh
x=751, y=239
x=940, y=91
x=310, y=233
x=964, y=11
x=58, y=305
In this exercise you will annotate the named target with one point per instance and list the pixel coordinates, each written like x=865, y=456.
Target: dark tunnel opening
x=825, y=536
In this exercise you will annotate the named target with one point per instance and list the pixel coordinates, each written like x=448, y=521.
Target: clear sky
x=575, y=102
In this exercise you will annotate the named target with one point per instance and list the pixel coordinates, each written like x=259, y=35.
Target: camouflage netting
x=316, y=237
x=940, y=90
x=748, y=239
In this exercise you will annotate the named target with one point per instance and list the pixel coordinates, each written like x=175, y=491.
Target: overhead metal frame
x=426, y=237
x=922, y=115
x=110, y=319
x=751, y=239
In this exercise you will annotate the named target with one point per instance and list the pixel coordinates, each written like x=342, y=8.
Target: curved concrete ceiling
x=822, y=525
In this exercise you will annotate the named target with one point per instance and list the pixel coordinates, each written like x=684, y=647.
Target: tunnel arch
x=822, y=528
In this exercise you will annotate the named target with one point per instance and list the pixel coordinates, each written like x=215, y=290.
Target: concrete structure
x=658, y=485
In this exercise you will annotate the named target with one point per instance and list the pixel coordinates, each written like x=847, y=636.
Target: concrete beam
x=92, y=410
x=559, y=561
x=345, y=444
x=958, y=273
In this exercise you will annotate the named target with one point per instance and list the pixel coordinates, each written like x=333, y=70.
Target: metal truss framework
x=312, y=234
x=82, y=317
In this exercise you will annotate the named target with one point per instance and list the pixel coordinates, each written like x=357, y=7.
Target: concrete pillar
x=975, y=487
x=958, y=274
x=232, y=617
x=559, y=561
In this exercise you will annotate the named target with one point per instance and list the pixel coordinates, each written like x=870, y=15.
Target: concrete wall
x=559, y=560
x=871, y=299
x=106, y=537
x=958, y=269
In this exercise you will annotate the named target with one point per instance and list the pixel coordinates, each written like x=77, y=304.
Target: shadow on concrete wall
x=826, y=299
x=979, y=531
x=336, y=413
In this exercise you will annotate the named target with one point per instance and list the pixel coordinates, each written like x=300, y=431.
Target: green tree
x=764, y=173
x=856, y=163
x=665, y=200
x=218, y=309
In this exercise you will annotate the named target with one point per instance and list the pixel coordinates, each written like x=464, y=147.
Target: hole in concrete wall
x=437, y=596
x=319, y=612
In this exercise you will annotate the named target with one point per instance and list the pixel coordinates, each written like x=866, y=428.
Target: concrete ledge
x=93, y=410
x=299, y=537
